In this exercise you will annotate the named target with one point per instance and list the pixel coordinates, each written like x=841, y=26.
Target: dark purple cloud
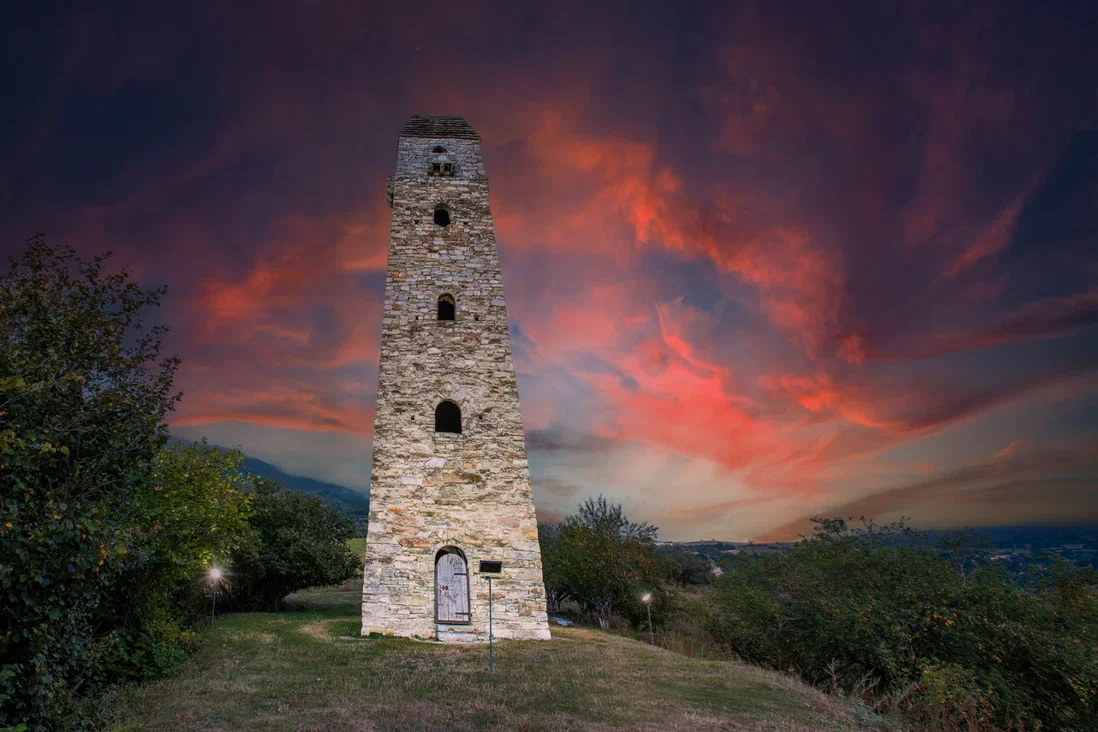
x=760, y=260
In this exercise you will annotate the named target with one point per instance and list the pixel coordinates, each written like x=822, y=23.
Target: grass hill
x=307, y=670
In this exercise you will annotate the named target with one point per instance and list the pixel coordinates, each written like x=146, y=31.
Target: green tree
x=683, y=567
x=199, y=508
x=301, y=541
x=195, y=512
x=556, y=588
x=84, y=391
x=605, y=562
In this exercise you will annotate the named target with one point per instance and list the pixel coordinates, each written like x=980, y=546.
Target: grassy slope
x=293, y=671
x=357, y=545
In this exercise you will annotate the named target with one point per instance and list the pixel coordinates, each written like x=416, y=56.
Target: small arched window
x=439, y=149
x=446, y=307
x=442, y=215
x=448, y=418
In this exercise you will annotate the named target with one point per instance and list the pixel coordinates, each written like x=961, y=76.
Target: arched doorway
x=451, y=587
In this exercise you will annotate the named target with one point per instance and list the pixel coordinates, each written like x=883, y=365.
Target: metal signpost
x=491, y=665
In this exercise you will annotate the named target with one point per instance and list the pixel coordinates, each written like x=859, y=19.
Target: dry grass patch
x=293, y=671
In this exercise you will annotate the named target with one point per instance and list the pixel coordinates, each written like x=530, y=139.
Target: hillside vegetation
x=926, y=630
x=112, y=537
x=306, y=669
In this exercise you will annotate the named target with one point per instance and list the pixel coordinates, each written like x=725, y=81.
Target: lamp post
x=647, y=600
x=215, y=575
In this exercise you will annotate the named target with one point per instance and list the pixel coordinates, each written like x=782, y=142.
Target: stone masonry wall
x=414, y=153
x=433, y=490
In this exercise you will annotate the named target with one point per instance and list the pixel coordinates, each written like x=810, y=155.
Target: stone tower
x=450, y=500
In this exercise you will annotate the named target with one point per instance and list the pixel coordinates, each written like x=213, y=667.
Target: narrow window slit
x=446, y=307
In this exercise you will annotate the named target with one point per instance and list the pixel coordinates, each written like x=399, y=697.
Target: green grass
x=296, y=671
x=357, y=545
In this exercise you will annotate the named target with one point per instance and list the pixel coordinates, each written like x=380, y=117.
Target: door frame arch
x=443, y=551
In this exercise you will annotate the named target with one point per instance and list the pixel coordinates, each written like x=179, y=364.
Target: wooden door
x=452, y=589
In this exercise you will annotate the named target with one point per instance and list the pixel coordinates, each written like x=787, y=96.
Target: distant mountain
x=351, y=501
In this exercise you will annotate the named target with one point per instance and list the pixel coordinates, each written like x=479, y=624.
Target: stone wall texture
x=431, y=491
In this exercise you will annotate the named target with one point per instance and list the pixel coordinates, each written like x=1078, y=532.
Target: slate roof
x=436, y=125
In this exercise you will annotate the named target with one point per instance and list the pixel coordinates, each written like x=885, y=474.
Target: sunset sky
x=763, y=261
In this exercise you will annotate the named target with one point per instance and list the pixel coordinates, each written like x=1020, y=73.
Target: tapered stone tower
x=450, y=500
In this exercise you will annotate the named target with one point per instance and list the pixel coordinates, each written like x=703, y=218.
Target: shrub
x=106, y=531
x=685, y=630
x=948, y=697
x=605, y=563
x=195, y=512
x=300, y=541
x=875, y=613
x=685, y=568
x=83, y=395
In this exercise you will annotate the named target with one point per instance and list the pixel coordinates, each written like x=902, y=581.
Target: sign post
x=491, y=665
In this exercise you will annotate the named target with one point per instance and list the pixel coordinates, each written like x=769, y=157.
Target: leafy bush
x=874, y=613
x=685, y=568
x=300, y=541
x=196, y=512
x=949, y=697
x=83, y=396
x=106, y=532
x=685, y=628
x=605, y=563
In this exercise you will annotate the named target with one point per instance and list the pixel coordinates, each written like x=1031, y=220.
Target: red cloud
x=844, y=223
x=613, y=195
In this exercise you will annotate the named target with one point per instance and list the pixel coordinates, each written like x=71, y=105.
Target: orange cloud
x=291, y=406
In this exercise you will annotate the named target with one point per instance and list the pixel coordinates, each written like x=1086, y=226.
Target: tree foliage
x=198, y=511
x=300, y=541
x=84, y=391
x=195, y=514
x=685, y=568
x=106, y=530
x=604, y=562
x=877, y=613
